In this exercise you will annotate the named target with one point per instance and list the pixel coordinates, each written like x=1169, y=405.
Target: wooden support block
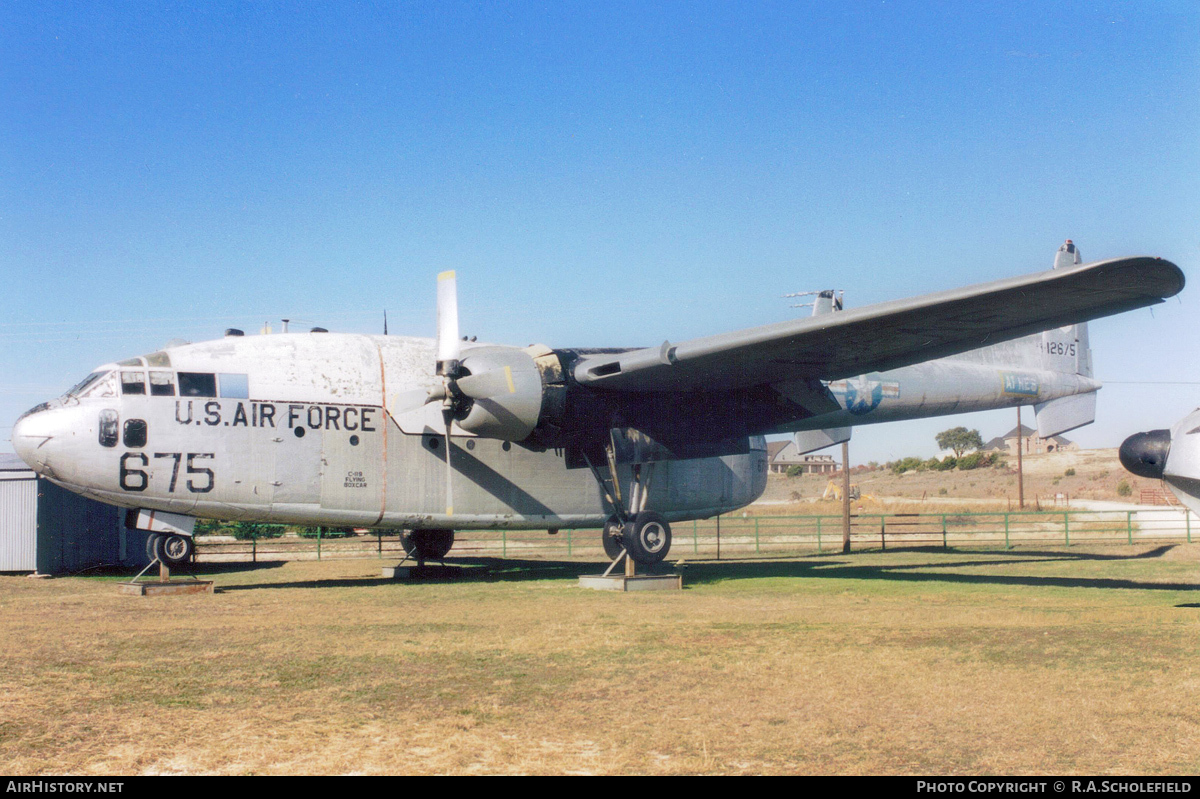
x=168, y=588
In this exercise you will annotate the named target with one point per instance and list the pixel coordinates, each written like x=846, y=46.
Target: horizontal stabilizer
x=812, y=440
x=1065, y=413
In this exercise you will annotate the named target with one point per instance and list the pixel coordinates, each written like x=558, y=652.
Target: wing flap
x=892, y=334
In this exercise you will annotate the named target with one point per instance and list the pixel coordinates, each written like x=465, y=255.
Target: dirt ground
x=1098, y=476
x=910, y=662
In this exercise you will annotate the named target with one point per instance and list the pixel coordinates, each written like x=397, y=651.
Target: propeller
x=448, y=365
x=458, y=387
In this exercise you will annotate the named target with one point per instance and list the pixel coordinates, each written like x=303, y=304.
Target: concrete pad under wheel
x=619, y=582
x=168, y=588
x=422, y=572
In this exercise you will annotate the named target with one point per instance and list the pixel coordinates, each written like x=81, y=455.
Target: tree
x=959, y=439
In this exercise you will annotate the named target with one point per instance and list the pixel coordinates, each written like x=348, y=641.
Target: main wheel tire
x=647, y=538
x=427, y=544
x=175, y=550
x=611, y=537
x=152, y=543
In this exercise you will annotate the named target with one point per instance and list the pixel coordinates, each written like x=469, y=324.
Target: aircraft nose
x=1145, y=454
x=30, y=435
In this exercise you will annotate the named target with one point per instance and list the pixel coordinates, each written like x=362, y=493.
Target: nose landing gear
x=170, y=550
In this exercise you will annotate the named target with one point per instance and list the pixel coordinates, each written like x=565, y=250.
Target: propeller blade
x=449, y=471
x=493, y=383
x=447, y=323
x=407, y=401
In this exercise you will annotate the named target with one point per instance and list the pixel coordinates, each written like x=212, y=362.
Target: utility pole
x=1020, y=469
x=846, y=497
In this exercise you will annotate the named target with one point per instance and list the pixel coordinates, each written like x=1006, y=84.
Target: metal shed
x=18, y=515
x=50, y=530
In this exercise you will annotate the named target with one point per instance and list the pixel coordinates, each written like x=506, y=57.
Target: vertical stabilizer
x=827, y=302
x=812, y=440
x=1066, y=349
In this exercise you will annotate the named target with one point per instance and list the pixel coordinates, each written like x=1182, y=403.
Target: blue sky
x=598, y=173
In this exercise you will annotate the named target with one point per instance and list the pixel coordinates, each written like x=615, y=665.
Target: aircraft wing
x=891, y=334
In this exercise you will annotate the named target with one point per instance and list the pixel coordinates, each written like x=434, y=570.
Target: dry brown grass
x=1097, y=476
x=904, y=662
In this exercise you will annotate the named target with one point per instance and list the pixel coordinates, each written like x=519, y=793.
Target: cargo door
x=298, y=466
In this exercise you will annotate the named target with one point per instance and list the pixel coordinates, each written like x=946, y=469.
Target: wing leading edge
x=892, y=334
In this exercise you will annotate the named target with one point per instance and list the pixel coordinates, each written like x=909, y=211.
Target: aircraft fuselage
x=310, y=428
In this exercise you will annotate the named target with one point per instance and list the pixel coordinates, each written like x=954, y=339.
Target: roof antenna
x=385, y=321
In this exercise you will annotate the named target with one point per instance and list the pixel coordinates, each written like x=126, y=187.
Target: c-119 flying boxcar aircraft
x=431, y=436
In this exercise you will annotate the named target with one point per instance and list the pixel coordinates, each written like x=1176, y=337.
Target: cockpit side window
x=162, y=384
x=135, y=433
x=197, y=384
x=109, y=425
x=133, y=382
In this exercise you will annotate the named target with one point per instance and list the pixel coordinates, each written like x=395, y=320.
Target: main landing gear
x=643, y=535
x=426, y=545
x=423, y=546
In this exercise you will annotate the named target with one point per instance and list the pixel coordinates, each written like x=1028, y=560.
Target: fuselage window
x=197, y=384
x=235, y=386
x=135, y=433
x=108, y=428
x=162, y=384
x=133, y=383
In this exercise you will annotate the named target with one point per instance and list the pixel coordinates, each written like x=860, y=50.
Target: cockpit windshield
x=85, y=383
x=90, y=384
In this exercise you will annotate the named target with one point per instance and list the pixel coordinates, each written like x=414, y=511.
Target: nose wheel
x=170, y=550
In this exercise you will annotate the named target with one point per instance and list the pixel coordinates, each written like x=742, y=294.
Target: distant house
x=781, y=456
x=1032, y=443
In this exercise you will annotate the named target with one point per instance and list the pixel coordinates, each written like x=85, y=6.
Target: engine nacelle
x=512, y=407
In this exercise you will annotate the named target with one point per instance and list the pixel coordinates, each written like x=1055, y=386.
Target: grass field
x=919, y=662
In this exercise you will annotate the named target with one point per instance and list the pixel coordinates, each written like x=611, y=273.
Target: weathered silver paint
x=321, y=428
x=938, y=388
x=353, y=464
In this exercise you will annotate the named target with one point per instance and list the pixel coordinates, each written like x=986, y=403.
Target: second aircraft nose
x=1145, y=454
